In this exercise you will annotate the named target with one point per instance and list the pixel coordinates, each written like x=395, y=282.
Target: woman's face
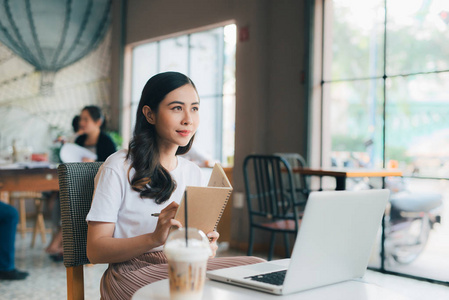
x=87, y=124
x=177, y=118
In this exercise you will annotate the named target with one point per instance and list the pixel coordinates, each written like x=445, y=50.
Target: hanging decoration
x=52, y=34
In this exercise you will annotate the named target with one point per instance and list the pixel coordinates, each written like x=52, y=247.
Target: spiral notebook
x=206, y=204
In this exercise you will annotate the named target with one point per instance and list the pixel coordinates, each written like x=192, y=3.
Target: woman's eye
x=177, y=108
x=195, y=108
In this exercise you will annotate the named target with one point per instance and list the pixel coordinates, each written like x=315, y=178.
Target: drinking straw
x=185, y=216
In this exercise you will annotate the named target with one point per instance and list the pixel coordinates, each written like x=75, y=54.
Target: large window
x=385, y=103
x=208, y=58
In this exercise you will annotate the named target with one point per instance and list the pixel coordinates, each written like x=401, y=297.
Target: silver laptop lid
x=335, y=238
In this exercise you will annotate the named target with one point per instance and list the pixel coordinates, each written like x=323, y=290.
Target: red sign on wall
x=244, y=34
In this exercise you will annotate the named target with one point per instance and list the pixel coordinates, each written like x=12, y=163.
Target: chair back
x=270, y=189
x=76, y=188
x=296, y=161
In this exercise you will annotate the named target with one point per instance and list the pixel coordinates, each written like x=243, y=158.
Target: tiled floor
x=47, y=279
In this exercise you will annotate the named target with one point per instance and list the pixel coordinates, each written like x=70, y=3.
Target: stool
x=39, y=224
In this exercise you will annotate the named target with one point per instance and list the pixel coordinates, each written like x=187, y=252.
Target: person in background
x=8, y=226
x=92, y=123
x=54, y=249
x=76, y=127
x=76, y=132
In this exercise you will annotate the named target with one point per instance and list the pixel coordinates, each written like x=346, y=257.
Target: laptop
x=334, y=244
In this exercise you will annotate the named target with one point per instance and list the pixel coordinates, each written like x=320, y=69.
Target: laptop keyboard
x=275, y=278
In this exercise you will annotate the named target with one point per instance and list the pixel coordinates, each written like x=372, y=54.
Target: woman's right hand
x=86, y=159
x=164, y=222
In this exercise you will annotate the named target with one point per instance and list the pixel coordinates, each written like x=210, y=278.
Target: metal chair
x=76, y=184
x=270, y=194
x=302, y=189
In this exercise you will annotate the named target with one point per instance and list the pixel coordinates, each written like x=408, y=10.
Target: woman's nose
x=187, y=119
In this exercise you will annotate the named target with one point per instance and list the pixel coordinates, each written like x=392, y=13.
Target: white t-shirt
x=115, y=201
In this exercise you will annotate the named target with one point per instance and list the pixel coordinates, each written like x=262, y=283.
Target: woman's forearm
x=112, y=250
x=102, y=247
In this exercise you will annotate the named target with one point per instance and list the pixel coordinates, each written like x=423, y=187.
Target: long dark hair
x=151, y=179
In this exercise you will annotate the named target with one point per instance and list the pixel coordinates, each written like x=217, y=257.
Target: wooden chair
x=76, y=184
x=270, y=194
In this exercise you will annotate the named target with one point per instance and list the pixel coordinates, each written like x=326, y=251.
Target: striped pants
x=122, y=280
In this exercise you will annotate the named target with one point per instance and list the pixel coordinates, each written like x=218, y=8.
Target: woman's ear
x=149, y=115
x=99, y=122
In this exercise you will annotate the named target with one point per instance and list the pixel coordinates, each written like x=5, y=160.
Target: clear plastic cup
x=187, y=264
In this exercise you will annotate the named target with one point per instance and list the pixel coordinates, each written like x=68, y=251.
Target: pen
x=157, y=215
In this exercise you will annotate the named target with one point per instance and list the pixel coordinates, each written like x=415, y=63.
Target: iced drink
x=187, y=264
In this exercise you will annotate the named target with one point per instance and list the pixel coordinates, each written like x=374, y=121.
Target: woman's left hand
x=213, y=237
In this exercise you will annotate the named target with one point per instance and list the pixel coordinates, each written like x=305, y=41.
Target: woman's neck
x=167, y=157
x=92, y=137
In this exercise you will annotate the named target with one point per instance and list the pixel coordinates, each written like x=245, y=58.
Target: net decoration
x=76, y=27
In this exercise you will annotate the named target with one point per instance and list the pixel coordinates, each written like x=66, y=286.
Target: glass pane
x=209, y=134
x=144, y=65
x=354, y=39
x=355, y=123
x=133, y=111
x=415, y=243
x=230, y=32
x=174, y=55
x=205, y=59
x=228, y=129
x=417, y=35
x=417, y=136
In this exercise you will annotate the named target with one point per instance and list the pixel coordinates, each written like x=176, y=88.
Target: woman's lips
x=183, y=132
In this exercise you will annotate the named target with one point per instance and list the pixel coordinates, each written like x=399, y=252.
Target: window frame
x=320, y=147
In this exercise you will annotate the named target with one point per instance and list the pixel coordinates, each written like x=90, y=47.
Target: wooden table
x=29, y=180
x=341, y=174
x=23, y=180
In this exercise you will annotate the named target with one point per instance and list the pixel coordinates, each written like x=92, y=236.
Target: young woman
x=91, y=123
x=148, y=178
